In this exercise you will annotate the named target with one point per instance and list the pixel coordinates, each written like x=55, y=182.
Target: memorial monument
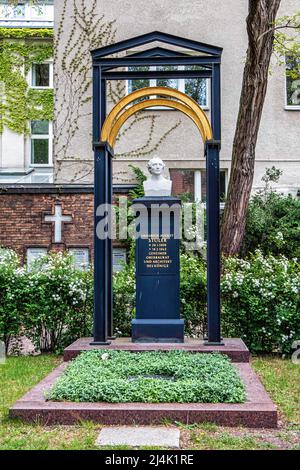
x=157, y=261
x=157, y=185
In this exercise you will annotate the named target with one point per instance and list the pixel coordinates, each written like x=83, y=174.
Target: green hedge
x=52, y=303
x=273, y=225
x=273, y=220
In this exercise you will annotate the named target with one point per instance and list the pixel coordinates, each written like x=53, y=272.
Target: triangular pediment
x=184, y=44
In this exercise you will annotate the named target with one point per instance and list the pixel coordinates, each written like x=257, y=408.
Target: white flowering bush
x=193, y=294
x=261, y=301
x=11, y=320
x=51, y=303
x=124, y=300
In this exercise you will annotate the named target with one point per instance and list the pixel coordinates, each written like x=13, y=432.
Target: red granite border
x=257, y=412
x=234, y=348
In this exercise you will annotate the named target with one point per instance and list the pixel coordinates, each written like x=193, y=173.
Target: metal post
x=108, y=200
x=213, y=243
x=100, y=195
x=110, y=331
x=216, y=101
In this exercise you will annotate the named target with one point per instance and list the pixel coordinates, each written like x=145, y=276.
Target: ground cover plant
x=149, y=377
x=19, y=374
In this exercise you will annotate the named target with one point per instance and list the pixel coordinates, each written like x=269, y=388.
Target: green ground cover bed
x=149, y=377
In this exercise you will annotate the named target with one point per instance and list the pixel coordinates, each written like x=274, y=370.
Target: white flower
x=105, y=356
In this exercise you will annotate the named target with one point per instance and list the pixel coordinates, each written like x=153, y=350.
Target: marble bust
x=156, y=184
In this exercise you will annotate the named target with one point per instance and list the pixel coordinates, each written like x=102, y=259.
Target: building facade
x=167, y=132
x=26, y=102
x=46, y=155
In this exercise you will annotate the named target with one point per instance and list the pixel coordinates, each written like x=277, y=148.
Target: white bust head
x=156, y=184
x=156, y=166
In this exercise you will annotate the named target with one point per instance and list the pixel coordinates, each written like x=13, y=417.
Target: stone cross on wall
x=58, y=219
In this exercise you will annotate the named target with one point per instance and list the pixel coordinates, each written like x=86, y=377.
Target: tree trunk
x=262, y=14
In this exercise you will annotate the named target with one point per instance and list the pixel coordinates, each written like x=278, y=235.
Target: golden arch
x=176, y=100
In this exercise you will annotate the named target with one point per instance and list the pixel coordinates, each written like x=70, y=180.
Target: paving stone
x=139, y=436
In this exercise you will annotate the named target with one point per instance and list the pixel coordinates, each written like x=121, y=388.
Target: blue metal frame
x=152, y=37
x=131, y=75
x=209, y=61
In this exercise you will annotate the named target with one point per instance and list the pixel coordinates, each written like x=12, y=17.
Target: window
x=293, y=83
x=41, y=143
x=34, y=11
x=191, y=184
x=41, y=75
x=223, y=185
x=197, y=88
x=13, y=11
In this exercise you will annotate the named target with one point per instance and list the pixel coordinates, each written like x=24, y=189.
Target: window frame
x=181, y=87
x=30, y=75
x=9, y=15
x=29, y=12
x=199, y=184
x=48, y=137
x=289, y=107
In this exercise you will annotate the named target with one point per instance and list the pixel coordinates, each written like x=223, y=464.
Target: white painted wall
x=12, y=150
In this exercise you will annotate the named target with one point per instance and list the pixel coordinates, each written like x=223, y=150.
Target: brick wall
x=22, y=214
x=183, y=182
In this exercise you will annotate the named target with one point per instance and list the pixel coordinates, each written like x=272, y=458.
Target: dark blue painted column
x=213, y=242
x=109, y=253
x=100, y=251
x=216, y=101
x=108, y=200
x=100, y=197
x=213, y=213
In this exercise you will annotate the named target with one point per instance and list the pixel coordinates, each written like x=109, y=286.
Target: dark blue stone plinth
x=157, y=271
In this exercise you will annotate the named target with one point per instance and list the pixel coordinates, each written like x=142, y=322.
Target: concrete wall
x=12, y=153
x=214, y=22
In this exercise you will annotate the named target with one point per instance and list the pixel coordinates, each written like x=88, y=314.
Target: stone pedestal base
x=257, y=412
x=234, y=348
x=157, y=331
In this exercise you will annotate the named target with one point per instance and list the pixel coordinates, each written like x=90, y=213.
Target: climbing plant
x=88, y=30
x=19, y=49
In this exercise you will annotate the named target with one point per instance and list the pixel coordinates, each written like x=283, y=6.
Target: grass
x=280, y=377
x=149, y=377
x=282, y=380
x=224, y=440
x=17, y=376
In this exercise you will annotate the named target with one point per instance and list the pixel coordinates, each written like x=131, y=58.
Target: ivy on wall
x=19, y=49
